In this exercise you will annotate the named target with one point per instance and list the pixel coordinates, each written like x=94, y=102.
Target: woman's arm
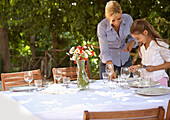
x=129, y=46
x=131, y=42
x=103, y=43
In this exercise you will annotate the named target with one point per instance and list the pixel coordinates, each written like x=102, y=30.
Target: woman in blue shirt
x=112, y=33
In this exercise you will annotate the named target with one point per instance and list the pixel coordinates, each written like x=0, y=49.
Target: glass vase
x=82, y=78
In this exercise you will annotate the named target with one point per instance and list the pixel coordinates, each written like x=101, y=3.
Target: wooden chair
x=145, y=114
x=168, y=112
x=17, y=78
x=70, y=72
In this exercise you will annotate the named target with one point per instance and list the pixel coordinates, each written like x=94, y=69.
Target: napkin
x=59, y=89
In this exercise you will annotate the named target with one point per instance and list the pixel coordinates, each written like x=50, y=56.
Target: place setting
x=63, y=85
x=143, y=83
x=153, y=91
x=33, y=85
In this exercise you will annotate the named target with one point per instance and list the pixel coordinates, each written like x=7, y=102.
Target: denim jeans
x=102, y=67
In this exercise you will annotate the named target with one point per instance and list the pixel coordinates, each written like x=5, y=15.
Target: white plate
x=128, y=79
x=75, y=82
x=153, y=91
x=22, y=89
x=143, y=84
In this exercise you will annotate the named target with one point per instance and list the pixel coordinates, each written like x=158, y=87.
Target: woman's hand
x=113, y=76
x=133, y=68
x=129, y=46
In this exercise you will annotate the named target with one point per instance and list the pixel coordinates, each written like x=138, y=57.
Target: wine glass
x=57, y=75
x=109, y=68
x=125, y=73
x=137, y=76
x=28, y=77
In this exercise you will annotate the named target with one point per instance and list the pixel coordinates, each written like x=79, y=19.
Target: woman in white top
x=154, y=52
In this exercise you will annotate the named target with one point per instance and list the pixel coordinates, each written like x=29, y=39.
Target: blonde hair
x=112, y=8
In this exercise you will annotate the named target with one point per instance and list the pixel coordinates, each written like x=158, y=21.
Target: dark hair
x=138, y=27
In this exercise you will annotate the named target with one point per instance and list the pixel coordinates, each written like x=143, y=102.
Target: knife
x=144, y=66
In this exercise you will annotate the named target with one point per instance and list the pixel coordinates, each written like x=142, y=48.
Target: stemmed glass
x=125, y=73
x=137, y=76
x=28, y=77
x=57, y=75
x=109, y=68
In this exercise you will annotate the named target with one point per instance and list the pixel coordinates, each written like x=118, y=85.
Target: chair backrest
x=168, y=112
x=17, y=78
x=70, y=72
x=146, y=114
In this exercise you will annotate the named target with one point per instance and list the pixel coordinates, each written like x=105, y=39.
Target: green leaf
x=64, y=19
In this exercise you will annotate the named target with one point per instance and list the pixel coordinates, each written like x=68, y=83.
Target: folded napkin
x=59, y=89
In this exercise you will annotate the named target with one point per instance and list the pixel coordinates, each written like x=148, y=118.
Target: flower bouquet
x=79, y=55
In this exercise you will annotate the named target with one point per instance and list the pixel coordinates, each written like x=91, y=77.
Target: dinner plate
x=153, y=91
x=128, y=79
x=143, y=84
x=22, y=89
x=75, y=82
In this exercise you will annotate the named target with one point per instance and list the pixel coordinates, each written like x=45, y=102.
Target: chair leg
x=86, y=115
x=168, y=112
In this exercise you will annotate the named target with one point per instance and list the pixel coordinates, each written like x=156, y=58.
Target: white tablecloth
x=71, y=106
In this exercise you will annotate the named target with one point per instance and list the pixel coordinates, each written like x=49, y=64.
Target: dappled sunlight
x=25, y=101
x=155, y=101
x=51, y=102
x=73, y=103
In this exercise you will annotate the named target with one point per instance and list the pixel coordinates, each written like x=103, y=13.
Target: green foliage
x=73, y=21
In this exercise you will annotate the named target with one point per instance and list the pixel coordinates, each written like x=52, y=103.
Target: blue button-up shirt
x=112, y=44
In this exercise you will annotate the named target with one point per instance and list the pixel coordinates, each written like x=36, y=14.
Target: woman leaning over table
x=112, y=33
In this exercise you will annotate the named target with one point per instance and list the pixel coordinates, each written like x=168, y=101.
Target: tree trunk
x=4, y=49
x=32, y=40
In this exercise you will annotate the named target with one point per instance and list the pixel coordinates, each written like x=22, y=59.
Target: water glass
x=57, y=75
x=136, y=74
x=143, y=76
x=112, y=87
x=118, y=76
x=105, y=77
x=38, y=84
x=148, y=81
x=66, y=80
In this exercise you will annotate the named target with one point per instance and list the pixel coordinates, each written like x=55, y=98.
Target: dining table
x=61, y=102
